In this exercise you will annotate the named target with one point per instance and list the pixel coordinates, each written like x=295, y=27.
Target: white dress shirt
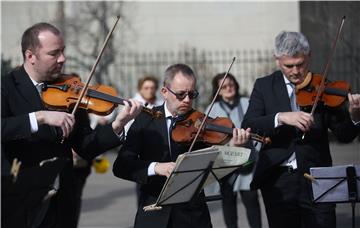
x=151, y=168
x=291, y=161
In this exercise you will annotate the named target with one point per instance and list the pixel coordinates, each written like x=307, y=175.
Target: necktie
x=173, y=146
x=39, y=87
x=294, y=106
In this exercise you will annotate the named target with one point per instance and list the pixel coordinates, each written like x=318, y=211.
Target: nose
x=187, y=98
x=295, y=70
x=61, y=58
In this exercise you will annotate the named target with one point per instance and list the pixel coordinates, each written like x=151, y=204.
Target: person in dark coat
x=274, y=112
x=147, y=157
x=31, y=133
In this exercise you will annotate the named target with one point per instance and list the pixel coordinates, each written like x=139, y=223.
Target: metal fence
x=130, y=67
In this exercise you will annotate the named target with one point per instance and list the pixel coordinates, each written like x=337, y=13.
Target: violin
x=64, y=93
x=332, y=94
x=215, y=131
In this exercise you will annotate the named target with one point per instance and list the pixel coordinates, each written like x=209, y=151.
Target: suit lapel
x=280, y=90
x=161, y=124
x=27, y=89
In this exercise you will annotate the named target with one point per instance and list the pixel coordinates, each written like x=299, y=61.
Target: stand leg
x=353, y=214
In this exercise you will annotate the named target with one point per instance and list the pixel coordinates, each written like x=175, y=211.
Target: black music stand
x=337, y=184
x=186, y=181
x=192, y=173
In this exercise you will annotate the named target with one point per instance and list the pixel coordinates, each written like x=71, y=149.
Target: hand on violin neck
x=131, y=109
x=240, y=136
x=164, y=169
x=63, y=120
x=301, y=120
x=354, y=107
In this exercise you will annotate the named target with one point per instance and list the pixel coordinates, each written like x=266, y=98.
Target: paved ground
x=110, y=202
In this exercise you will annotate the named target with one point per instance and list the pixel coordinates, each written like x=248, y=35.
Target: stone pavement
x=110, y=202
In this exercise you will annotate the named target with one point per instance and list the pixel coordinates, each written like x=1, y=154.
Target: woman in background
x=230, y=104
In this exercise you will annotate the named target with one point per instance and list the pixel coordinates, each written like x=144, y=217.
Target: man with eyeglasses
x=148, y=155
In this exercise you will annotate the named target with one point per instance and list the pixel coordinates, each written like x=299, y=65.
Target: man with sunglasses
x=148, y=155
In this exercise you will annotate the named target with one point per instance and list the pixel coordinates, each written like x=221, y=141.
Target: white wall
x=162, y=26
x=212, y=25
x=18, y=16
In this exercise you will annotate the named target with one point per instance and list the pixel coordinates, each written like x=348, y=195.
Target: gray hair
x=291, y=44
x=172, y=70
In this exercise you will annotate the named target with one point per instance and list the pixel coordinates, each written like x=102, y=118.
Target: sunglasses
x=181, y=95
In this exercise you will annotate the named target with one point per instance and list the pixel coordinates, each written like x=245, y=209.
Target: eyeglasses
x=181, y=95
x=232, y=85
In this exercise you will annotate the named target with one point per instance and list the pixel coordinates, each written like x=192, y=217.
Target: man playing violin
x=31, y=133
x=147, y=157
x=274, y=112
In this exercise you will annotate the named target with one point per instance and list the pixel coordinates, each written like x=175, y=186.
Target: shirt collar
x=289, y=85
x=287, y=82
x=33, y=81
x=167, y=112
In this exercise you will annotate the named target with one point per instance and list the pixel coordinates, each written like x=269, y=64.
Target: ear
x=30, y=57
x=277, y=62
x=164, y=92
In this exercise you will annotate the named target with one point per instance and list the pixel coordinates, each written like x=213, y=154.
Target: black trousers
x=287, y=199
x=229, y=205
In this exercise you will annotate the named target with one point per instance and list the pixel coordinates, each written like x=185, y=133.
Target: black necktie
x=174, y=147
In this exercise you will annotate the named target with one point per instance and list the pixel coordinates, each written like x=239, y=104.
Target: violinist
x=273, y=111
x=31, y=133
x=147, y=157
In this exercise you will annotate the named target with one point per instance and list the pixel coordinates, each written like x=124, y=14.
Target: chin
x=53, y=76
x=183, y=111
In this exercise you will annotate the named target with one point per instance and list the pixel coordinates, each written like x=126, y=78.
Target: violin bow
x=211, y=106
x=94, y=67
x=326, y=69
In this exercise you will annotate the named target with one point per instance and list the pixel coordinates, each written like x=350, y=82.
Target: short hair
x=172, y=70
x=291, y=44
x=215, y=84
x=148, y=78
x=30, y=38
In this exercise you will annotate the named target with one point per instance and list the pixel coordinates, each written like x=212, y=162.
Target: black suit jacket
x=146, y=142
x=19, y=97
x=269, y=97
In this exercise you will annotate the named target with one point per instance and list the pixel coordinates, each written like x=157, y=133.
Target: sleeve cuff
x=276, y=121
x=356, y=123
x=121, y=135
x=151, y=169
x=33, y=122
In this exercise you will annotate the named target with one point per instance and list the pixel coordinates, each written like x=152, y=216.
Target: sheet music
x=228, y=157
x=336, y=174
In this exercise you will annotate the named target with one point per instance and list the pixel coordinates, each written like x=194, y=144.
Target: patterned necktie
x=39, y=87
x=294, y=106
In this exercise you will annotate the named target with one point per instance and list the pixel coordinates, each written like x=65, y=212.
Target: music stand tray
x=337, y=184
x=331, y=184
